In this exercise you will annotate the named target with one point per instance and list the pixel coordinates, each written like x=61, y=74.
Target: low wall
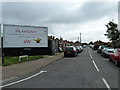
x=25, y=51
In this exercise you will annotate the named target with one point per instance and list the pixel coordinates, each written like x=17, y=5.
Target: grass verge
x=15, y=60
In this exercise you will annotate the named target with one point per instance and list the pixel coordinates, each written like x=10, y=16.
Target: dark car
x=115, y=56
x=95, y=47
x=70, y=51
x=106, y=52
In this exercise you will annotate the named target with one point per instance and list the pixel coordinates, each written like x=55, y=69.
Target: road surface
x=88, y=70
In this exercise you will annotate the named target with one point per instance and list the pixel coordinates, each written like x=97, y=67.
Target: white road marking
x=106, y=84
x=22, y=79
x=95, y=65
x=90, y=54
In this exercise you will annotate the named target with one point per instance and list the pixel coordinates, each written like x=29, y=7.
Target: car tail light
x=74, y=50
x=65, y=51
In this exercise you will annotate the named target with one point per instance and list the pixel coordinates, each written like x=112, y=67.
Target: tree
x=91, y=43
x=113, y=33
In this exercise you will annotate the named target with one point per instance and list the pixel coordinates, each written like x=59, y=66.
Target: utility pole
x=1, y=37
x=78, y=41
x=80, y=38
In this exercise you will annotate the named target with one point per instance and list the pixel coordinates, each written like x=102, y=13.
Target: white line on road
x=95, y=65
x=106, y=84
x=90, y=54
x=23, y=79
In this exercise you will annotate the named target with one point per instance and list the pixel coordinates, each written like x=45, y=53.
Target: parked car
x=106, y=51
x=95, y=47
x=99, y=50
x=115, y=56
x=81, y=48
x=60, y=49
x=78, y=49
x=84, y=46
x=70, y=51
x=91, y=46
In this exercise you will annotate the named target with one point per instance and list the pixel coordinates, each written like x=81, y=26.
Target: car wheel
x=116, y=63
x=110, y=59
x=75, y=55
x=104, y=56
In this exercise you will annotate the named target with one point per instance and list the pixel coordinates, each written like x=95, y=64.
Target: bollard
x=20, y=58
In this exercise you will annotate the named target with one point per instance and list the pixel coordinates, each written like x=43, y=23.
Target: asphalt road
x=88, y=70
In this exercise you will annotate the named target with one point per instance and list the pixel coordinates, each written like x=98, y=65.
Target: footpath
x=16, y=70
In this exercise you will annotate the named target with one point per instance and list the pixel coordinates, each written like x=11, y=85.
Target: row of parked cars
x=112, y=53
x=94, y=47
x=72, y=50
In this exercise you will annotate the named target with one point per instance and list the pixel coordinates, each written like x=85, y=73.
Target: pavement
x=16, y=70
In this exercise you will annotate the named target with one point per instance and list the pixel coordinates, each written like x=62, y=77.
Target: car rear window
x=69, y=49
x=110, y=51
x=102, y=47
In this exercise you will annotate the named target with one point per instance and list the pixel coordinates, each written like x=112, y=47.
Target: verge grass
x=8, y=60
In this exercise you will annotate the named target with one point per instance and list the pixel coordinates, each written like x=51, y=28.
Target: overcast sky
x=65, y=19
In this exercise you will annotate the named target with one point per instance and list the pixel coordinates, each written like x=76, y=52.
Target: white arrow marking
x=23, y=79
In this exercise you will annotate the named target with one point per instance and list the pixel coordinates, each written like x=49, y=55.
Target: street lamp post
x=78, y=41
x=80, y=38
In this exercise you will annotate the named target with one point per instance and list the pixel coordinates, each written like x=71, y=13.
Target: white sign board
x=24, y=36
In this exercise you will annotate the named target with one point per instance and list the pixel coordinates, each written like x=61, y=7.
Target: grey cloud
x=88, y=11
x=30, y=12
x=95, y=10
x=57, y=16
x=0, y=12
x=119, y=15
x=51, y=12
